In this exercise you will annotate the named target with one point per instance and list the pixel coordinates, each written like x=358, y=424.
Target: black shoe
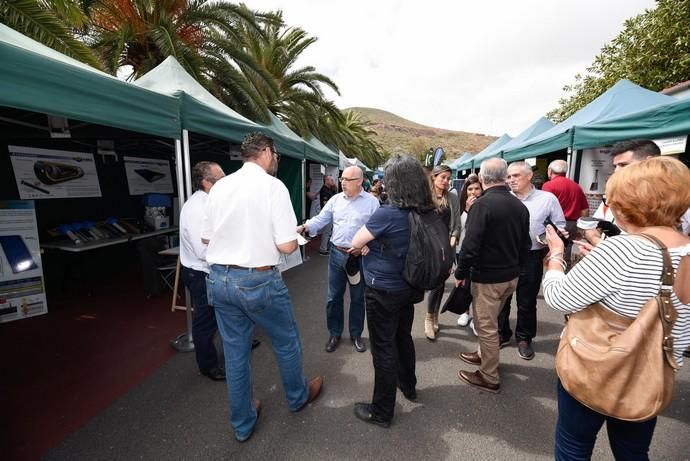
x=525, y=350
x=255, y=343
x=686, y=353
x=332, y=343
x=358, y=342
x=410, y=395
x=324, y=253
x=216, y=374
x=503, y=342
x=363, y=412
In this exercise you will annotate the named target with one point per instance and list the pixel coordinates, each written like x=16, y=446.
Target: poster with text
x=148, y=175
x=21, y=271
x=46, y=173
x=595, y=168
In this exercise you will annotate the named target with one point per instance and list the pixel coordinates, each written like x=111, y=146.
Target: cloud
x=490, y=67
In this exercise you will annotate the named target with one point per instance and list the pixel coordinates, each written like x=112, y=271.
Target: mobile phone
x=548, y=222
x=17, y=253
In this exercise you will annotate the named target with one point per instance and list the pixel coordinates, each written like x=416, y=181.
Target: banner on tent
x=47, y=173
x=672, y=146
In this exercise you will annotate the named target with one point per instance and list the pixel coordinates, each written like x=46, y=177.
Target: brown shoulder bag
x=617, y=366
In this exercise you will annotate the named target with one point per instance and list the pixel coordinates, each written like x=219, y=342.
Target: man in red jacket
x=571, y=197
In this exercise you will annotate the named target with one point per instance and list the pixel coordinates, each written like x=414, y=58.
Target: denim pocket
x=255, y=298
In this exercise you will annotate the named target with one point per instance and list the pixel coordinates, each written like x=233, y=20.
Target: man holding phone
x=544, y=209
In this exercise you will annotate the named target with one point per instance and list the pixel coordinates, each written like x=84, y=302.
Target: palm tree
x=53, y=23
x=204, y=36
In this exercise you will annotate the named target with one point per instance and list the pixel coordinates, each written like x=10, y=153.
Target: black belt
x=343, y=249
x=260, y=268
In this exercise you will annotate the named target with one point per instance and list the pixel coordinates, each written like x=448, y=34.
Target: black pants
x=389, y=318
x=204, y=324
x=527, y=291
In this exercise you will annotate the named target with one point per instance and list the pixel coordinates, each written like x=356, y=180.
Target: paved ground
x=179, y=415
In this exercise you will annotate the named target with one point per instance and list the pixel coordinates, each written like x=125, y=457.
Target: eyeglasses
x=348, y=179
x=274, y=152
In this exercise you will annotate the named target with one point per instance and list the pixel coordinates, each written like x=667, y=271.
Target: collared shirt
x=542, y=205
x=192, y=249
x=347, y=214
x=248, y=213
x=569, y=195
x=604, y=213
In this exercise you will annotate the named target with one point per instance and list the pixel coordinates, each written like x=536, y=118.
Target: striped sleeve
x=622, y=273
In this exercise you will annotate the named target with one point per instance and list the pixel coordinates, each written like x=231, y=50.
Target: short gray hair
x=526, y=168
x=558, y=166
x=493, y=171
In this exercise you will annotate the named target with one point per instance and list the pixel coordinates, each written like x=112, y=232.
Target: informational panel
x=595, y=168
x=672, y=146
x=21, y=272
x=148, y=175
x=45, y=173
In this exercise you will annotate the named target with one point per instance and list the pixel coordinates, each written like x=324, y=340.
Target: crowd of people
x=510, y=238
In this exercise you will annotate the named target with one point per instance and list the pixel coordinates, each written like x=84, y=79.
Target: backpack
x=429, y=257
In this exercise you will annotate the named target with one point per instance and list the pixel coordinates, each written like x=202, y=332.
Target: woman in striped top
x=623, y=273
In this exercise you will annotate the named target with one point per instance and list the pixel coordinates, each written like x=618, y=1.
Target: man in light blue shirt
x=348, y=211
x=541, y=205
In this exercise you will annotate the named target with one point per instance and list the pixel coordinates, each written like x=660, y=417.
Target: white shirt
x=248, y=213
x=541, y=205
x=606, y=216
x=192, y=249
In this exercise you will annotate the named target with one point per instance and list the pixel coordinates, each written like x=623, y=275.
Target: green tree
x=53, y=23
x=653, y=51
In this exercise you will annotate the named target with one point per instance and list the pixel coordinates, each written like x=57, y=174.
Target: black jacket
x=497, y=238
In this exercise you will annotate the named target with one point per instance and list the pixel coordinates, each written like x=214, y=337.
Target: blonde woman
x=448, y=206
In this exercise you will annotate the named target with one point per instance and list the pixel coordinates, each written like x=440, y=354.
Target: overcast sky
x=489, y=67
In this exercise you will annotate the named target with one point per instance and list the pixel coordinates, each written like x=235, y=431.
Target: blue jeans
x=337, y=282
x=243, y=298
x=578, y=426
x=204, y=323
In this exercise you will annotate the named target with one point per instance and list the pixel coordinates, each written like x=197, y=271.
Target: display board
x=148, y=175
x=22, y=291
x=595, y=168
x=46, y=173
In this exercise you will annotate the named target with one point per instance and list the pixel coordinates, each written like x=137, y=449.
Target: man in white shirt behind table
x=194, y=268
x=249, y=223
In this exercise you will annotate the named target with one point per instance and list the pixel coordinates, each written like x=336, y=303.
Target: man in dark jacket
x=495, y=247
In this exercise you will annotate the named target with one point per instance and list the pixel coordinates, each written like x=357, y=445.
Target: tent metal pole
x=187, y=163
x=304, y=189
x=183, y=342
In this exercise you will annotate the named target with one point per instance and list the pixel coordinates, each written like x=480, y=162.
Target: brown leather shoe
x=315, y=385
x=470, y=357
x=476, y=379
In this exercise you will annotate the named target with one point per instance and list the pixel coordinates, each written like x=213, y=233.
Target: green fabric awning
x=39, y=79
x=316, y=151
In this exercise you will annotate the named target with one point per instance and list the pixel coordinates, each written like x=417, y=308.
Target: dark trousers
x=434, y=299
x=577, y=428
x=389, y=318
x=204, y=325
x=526, y=294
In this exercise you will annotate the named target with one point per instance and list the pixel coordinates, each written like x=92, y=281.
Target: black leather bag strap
x=667, y=313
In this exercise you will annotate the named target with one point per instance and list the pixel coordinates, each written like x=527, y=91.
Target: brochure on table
x=47, y=173
x=22, y=291
x=148, y=175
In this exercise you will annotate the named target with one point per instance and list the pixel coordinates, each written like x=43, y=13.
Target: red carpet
x=62, y=369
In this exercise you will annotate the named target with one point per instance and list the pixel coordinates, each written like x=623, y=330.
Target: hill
x=396, y=134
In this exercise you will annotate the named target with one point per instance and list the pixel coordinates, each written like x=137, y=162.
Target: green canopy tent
x=622, y=98
x=203, y=113
x=492, y=150
x=318, y=152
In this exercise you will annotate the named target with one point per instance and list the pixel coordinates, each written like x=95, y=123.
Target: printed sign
x=45, y=173
x=148, y=175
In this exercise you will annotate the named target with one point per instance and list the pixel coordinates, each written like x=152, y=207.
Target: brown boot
x=435, y=322
x=429, y=327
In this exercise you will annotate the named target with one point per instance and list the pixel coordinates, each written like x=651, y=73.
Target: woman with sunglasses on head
x=448, y=206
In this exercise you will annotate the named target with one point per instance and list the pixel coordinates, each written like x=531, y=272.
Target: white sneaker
x=472, y=326
x=464, y=319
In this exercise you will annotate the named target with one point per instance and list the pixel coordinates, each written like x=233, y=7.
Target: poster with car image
x=21, y=272
x=148, y=175
x=47, y=173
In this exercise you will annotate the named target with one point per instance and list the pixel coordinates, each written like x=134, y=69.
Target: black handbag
x=459, y=300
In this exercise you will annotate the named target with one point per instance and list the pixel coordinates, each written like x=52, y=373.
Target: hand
x=359, y=251
x=565, y=233
x=300, y=229
x=585, y=247
x=460, y=283
x=470, y=200
x=554, y=241
x=453, y=241
x=593, y=236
